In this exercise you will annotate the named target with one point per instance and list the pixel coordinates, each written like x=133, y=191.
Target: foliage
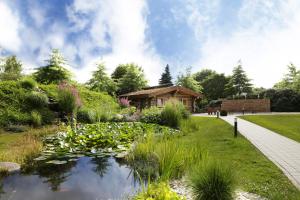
x=101, y=82
x=55, y=71
x=28, y=83
x=151, y=115
x=157, y=191
x=173, y=112
x=223, y=113
x=119, y=72
x=204, y=74
x=291, y=80
x=188, y=81
x=124, y=102
x=68, y=98
x=168, y=156
x=283, y=100
x=214, y=86
x=36, y=119
x=10, y=69
x=133, y=80
x=210, y=181
x=36, y=100
x=85, y=115
x=166, y=77
x=102, y=138
x=239, y=83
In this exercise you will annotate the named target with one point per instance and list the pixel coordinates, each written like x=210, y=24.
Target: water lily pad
x=57, y=162
x=121, y=155
x=40, y=158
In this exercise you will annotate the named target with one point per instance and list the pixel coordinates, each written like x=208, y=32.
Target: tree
x=54, y=71
x=101, y=82
x=239, y=82
x=188, y=81
x=132, y=80
x=214, y=86
x=203, y=74
x=165, y=77
x=291, y=80
x=119, y=72
x=10, y=68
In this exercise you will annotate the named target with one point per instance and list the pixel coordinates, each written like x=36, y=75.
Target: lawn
x=255, y=173
x=286, y=125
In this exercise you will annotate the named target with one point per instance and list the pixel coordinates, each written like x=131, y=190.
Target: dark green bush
x=223, y=113
x=28, y=83
x=36, y=100
x=283, y=100
x=173, y=112
x=47, y=115
x=212, y=181
x=151, y=115
x=85, y=115
x=10, y=116
x=36, y=119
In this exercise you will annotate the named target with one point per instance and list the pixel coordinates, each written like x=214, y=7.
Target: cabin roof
x=155, y=91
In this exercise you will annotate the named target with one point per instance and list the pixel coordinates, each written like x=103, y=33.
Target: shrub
x=36, y=100
x=210, y=181
x=128, y=111
x=158, y=191
x=173, y=112
x=68, y=98
x=28, y=83
x=36, y=118
x=47, y=115
x=223, y=113
x=151, y=115
x=85, y=115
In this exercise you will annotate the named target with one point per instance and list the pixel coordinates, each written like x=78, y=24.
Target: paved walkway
x=284, y=152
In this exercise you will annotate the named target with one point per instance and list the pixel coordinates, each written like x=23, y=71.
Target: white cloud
x=266, y=40
x=124, y=23
x=9, y=23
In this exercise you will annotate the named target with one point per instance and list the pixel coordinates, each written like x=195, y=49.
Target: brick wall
x=248, y=105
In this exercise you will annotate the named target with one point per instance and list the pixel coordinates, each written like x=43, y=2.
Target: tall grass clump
x=212, y=181
x=166, y=156
x=86, y=115
x=36, y=100
x=36, y=119
x=28, y=83
x=173, y=112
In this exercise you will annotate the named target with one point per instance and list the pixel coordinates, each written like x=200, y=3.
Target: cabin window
x=160, y=102
x=184, y=102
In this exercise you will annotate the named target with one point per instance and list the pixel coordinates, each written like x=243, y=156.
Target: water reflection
x=88, y=178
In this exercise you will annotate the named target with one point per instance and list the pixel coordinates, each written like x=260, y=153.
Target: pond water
x=87, y=178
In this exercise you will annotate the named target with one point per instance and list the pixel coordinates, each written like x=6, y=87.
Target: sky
x=215, y=34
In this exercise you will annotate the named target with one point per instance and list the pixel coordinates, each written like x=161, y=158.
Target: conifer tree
x=165, y=77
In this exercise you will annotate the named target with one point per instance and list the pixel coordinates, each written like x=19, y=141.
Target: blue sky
x=215, y=34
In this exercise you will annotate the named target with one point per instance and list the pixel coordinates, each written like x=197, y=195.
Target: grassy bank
x=213, y=138
x=286, y=125
x=22, y=147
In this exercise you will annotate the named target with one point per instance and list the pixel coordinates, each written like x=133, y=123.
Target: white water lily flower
x=90, y=136
x=93, y=151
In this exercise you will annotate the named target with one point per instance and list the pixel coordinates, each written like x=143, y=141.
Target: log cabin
x=159, y=95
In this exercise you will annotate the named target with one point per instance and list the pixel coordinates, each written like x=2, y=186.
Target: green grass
x=213, y=138
x=286, y=125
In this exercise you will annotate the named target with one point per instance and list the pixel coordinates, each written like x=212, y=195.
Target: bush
x=128, y=111
x=283, y=100
x=85, y=115
x=36, y=100
x=210, y=181
x=151, y=115
x=28, y=83
x=47, y=115
x=173, y=112
x=158, y=191
x=36, y=119
x=223, y=113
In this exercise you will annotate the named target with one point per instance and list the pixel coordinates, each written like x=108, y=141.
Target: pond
x=89, y=178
